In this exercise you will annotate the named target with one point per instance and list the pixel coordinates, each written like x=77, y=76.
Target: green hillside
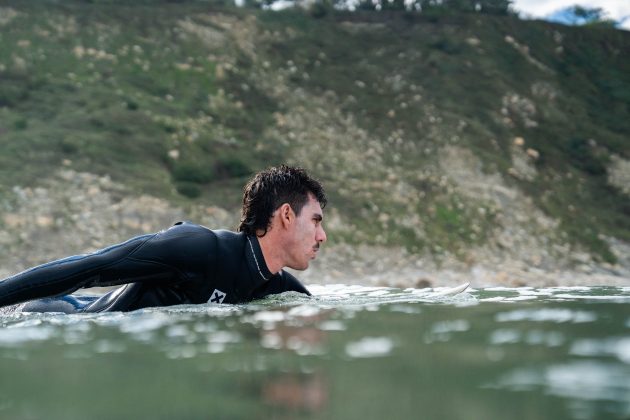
x=429, y=131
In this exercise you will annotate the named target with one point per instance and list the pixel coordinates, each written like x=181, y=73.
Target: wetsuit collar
x=256, y=259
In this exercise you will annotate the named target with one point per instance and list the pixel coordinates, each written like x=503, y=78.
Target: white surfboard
x=451, y=291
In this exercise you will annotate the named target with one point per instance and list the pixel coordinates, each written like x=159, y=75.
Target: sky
x=618, y=10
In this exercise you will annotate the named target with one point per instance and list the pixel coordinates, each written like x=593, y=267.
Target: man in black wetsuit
x=281, y=226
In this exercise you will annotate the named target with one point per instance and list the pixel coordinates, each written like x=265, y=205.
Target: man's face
x=307, y=234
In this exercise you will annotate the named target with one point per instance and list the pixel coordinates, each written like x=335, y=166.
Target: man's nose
x=321, y=235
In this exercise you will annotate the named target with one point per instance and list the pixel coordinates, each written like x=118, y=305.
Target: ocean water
x=348, y=352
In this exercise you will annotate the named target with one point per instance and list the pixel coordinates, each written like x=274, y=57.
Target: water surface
x=349, y=352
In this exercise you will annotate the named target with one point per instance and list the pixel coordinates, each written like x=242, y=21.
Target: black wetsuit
x=185, y=264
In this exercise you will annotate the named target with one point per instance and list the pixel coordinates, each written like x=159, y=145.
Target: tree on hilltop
x=580, y=15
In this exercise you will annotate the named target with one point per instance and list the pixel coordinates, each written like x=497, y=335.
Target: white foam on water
x=592, y=297
x=443, y=331
x=205, y=327
x=303, y=311
x=268, y=317
x=505, y=336
x=618, y=347
x=182, y=352
x=303, y=347
x=519, y=298
x=556, y=289
x=332, y=326
x=24, y=334
x=356, y=294
x=493, y=299
x=530, y=291
x=214, y=348
x=588, y=380
x=224, y=337
x=502, y=289
x=177, y=331
x=77, y=333
x=456, y=325
x=271, y=340
x=582, y=382
x=137, y=323
x=557, y=315
x=109, y=346
x=546, y=338
x=405, y=308
x=370, y=347
x=379, y=293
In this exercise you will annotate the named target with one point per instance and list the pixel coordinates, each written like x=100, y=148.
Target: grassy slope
x=114, y=88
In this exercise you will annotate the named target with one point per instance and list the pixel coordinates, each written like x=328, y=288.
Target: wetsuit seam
x=98, y=268
x=136, y=249
x=256, y=260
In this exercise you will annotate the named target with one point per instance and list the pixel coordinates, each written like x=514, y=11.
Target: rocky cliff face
x=73, y=213
x=453, y=151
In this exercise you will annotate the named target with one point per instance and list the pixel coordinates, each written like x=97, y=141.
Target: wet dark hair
x=270, y=189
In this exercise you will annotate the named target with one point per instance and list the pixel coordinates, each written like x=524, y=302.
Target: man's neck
x=271, y=252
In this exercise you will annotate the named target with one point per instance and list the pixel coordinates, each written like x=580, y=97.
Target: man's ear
x=287, y=215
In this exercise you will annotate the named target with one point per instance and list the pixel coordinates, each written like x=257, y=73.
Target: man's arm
x=184, y=252
x=107, y=267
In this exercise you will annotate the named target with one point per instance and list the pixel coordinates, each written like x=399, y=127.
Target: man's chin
x=300, y=267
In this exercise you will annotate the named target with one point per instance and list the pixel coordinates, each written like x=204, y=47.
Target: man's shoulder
x=228, y=234
x=223, y=238
x=228, y=239
x=192, y=228
x=186, y=232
